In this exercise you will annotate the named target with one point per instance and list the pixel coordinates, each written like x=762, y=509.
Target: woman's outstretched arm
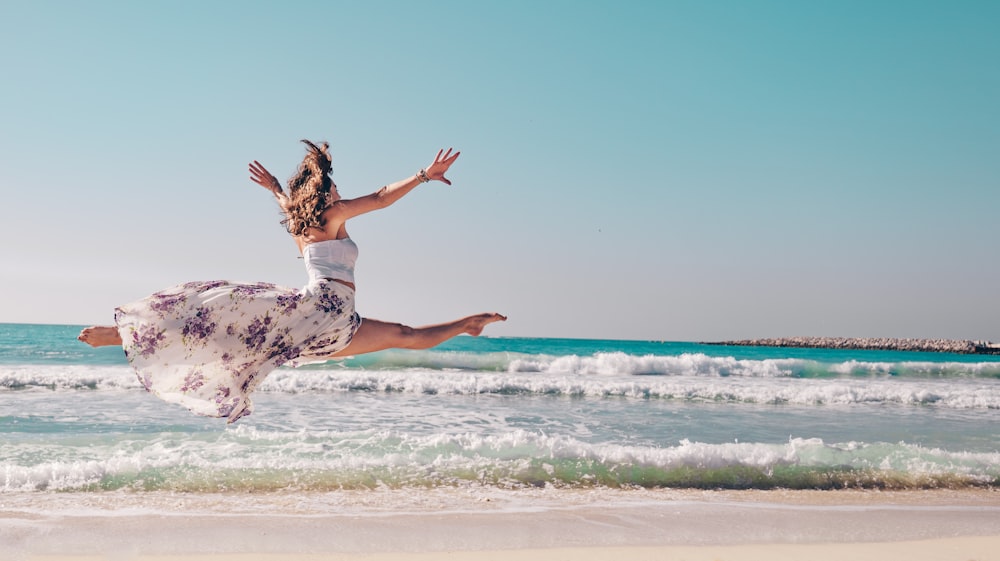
x=344, y=209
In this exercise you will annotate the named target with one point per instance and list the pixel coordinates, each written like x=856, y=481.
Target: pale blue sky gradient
x=634, y=170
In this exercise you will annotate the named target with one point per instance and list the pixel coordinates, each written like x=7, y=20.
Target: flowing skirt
x=207, y=345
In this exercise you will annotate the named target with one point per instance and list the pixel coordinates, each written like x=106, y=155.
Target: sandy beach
x=966, y=549
x=521, y=525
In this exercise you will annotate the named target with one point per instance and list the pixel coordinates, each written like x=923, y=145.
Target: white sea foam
x=67, y=376
x=693, y=382
x=918, y=369
x=248, y=458
x=688, y=364
x=693, y=388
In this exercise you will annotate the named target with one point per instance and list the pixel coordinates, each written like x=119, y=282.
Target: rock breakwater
x=874, y=344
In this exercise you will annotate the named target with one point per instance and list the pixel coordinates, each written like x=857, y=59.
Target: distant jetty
x=874, y=344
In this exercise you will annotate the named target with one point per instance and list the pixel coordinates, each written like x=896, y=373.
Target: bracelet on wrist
x=422, y=176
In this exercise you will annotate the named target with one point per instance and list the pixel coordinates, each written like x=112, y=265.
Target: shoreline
x=535, y=524
x=976, y=548
x=956, y=346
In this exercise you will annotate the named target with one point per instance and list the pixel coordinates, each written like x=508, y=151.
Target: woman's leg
x=375, y=335
x=100, y=336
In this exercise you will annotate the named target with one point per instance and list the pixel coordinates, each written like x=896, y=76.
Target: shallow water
x=508, y=413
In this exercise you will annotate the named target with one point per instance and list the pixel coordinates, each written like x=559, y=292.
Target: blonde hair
x=309, y=191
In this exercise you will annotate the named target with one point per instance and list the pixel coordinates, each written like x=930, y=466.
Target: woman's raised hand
x=262, y=177
x=442, y=162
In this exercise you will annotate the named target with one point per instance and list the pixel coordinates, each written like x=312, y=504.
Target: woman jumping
x=206, y=345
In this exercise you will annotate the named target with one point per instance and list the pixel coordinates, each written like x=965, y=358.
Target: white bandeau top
x=331, y=259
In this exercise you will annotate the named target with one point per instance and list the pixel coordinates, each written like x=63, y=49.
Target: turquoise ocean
x=507, y=413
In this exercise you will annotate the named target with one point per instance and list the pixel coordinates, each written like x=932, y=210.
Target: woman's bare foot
x=100, y=336
x=475, y=324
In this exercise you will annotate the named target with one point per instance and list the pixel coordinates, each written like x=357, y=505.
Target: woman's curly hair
x=309, y=191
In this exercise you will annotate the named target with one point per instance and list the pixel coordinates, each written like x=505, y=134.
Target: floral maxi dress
x=207, y=345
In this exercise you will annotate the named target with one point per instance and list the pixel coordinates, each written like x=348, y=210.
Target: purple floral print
x=194, y=380
x=202, y=286
x=248, y=382
x=146, y=340
x=251, y=290
x=165, y=303
x=207, y=345
x=147, y=380
x=283, y=349
x=224, y=404
x=200, y=325
x=257, y=333
x=287, y=303
x=324, y=343
x=330, y=302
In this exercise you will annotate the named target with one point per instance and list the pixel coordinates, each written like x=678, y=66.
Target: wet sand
x=510, y=525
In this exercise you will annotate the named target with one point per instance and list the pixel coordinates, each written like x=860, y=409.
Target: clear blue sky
x=637, y=170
